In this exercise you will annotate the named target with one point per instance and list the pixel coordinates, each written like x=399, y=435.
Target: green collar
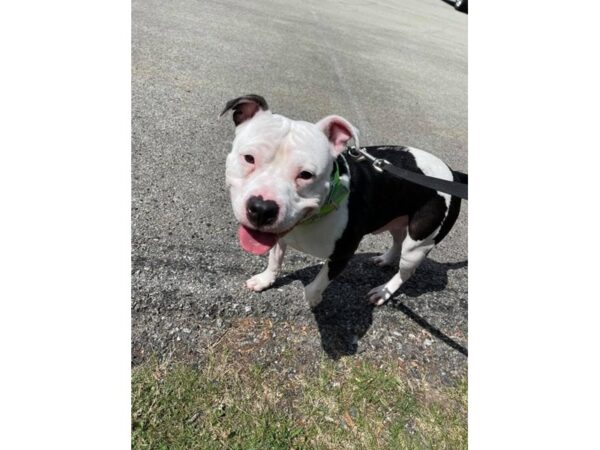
x=337, y=193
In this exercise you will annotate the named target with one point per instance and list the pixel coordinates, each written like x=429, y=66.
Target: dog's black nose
x=261, y=212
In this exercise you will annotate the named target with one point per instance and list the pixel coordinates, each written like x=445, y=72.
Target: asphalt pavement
x=396, y=69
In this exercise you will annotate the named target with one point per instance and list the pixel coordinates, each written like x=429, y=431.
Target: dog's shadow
x=344, y=316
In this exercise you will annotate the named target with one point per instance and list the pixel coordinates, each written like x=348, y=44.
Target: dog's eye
x=249, y=159
x=305, y=175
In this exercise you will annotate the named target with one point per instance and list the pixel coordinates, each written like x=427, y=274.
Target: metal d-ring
x=354, y=152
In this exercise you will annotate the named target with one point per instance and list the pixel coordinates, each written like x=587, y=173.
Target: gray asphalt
x=395, y=69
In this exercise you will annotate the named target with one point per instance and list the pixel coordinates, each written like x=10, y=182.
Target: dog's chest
x=319, y=238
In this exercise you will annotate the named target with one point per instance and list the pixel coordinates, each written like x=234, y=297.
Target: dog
x=292, y=184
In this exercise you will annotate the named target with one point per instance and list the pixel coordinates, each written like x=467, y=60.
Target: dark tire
x=461, y=5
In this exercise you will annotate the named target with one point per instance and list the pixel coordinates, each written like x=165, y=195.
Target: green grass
x=346, y=404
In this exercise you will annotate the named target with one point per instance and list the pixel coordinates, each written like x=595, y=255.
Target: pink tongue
x=256, y=242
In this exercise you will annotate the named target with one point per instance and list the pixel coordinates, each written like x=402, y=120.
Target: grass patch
x=346, y=404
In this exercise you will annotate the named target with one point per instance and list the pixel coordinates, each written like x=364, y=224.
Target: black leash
x=449, y=187
x=453, y=188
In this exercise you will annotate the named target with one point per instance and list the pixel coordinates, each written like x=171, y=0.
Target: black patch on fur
x=427, y=218
x=260, y=101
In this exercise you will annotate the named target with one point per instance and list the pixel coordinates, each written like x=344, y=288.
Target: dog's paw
x=260, y=282
x=385, y=260
x=379, y=295
x=313, y=298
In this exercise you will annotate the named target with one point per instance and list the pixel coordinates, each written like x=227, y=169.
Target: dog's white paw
x=379, y=295
x=261, y=281
x=386, y=259
x=313, y=298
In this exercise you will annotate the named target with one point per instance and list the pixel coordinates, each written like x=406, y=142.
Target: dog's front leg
x=313, y=292
x=266, y=279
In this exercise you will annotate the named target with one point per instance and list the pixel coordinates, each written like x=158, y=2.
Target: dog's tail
x=461, y=177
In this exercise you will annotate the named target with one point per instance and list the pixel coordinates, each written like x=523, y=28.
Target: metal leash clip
x=361, y=153
x=379, y=163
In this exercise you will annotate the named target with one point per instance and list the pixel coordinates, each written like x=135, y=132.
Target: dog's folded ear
x=339, y=131
x=245, y=107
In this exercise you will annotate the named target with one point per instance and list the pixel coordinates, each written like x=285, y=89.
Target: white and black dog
x=292, y=184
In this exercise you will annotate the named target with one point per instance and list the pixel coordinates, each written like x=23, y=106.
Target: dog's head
x=278, y=171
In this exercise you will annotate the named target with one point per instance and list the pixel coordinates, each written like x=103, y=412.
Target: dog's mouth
x=260, y=242
x=255, y=241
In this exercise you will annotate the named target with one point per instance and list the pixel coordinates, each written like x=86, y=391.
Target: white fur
x=313, y=292
x=434, y=167
x=318, y=238
x=266, y=279
x=392, y=256
x=411, y=256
